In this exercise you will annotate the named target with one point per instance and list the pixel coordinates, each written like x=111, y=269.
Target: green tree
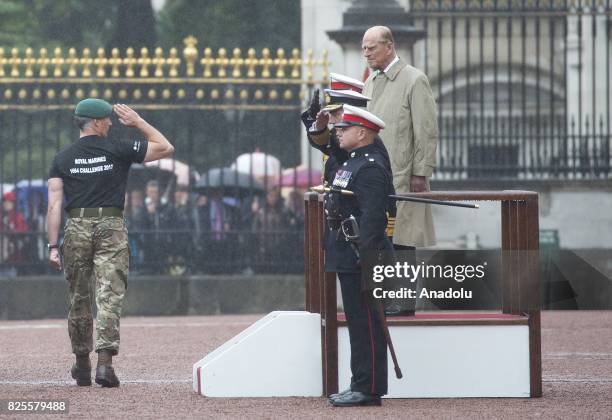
x=135, y=25
x=232, y=23
x=65, y=23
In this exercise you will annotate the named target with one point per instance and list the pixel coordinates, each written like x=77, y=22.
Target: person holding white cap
x=364, y=173
x=317, y=120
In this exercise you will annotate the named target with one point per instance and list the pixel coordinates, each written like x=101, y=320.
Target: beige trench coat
x=403, y=99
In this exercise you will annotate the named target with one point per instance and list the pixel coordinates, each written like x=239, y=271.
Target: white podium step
x=277, y=356
x=452, y=361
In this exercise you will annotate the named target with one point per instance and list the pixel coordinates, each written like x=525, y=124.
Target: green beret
x=93, y=108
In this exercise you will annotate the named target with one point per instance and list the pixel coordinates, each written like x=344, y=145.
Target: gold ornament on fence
x=265, y=62
x=57, y=62
x=86, y=62
x=310, y=64
x=280, y=62
x=207, y=61
x=173, y=61
x=43, y=62
x=295, y=63
x=129, y=61
x=100, y=62
x=158, y=62
x=251, y=62
x=14, y=62
x=191, y=54
x=236, y=62
x=72, y=61
x=29, y=62
x=2, y=62
x=144, y=62
x=115, y=61
x=222, y=63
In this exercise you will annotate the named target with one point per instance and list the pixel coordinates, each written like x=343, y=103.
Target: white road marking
x=135, y=325
x=578, y=380
x=123, y=381
x=577, y=355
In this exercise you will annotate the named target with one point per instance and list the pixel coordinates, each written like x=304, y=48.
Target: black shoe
x=339, y=394
x=82, y=373
x=356, y=398
x=105, y=376
x=397, y=311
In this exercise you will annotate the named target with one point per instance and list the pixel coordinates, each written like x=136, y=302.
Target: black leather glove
x=315, y=105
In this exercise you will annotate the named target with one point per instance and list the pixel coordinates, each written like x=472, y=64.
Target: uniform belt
x=96, y=212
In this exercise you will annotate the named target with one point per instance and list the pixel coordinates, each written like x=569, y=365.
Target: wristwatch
x=52, y=246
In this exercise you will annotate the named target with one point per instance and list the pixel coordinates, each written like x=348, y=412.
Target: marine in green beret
x=93, y=108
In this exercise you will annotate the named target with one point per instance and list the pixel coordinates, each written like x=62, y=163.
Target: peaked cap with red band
x=342, y=82
x=334, y=99
x=357, y=116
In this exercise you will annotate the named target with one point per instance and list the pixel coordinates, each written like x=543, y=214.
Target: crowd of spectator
x=176, y=232
x=212, y=232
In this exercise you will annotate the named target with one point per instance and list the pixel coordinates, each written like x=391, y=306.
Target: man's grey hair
x=384, y=34
x=82, y=122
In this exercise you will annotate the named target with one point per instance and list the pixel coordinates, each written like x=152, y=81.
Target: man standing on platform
x=400, y=95
x=92, y=175
x=365, y=174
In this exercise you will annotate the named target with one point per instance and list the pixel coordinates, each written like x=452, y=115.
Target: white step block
x=452, y=361
x=277, y=356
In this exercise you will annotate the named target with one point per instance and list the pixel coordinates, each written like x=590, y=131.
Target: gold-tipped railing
x=191, y=63
x=192, y=77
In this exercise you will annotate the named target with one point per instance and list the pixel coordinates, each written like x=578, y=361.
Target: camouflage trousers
x=96, y=263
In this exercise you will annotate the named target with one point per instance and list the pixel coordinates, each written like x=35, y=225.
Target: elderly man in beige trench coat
x=401, y=96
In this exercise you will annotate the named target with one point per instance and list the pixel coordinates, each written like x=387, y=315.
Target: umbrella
x=227, y=179
x=140, y=174
x=257, y=164
x=5, y=187
x=180, y=169
x=300, y=177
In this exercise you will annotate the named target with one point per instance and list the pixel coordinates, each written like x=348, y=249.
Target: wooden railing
x=520, y=288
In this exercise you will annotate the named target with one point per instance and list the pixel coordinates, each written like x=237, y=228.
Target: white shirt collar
x=395, y=60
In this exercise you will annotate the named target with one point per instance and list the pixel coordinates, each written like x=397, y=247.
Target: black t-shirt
x=95, y=170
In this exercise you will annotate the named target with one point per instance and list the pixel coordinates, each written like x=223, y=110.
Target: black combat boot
x=105, y=374
x=81, y=370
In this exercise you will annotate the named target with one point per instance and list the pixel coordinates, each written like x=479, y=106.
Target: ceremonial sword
x=321, y=189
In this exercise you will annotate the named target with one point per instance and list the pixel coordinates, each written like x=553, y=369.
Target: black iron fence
x=523, y=89
x=225, y=203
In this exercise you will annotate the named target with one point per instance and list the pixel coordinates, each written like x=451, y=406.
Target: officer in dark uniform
x=366, y=175
x=92, y=175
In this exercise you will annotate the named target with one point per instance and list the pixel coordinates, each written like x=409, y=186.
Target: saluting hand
x=322, y=120
x=127, y=116
x=315, y=106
